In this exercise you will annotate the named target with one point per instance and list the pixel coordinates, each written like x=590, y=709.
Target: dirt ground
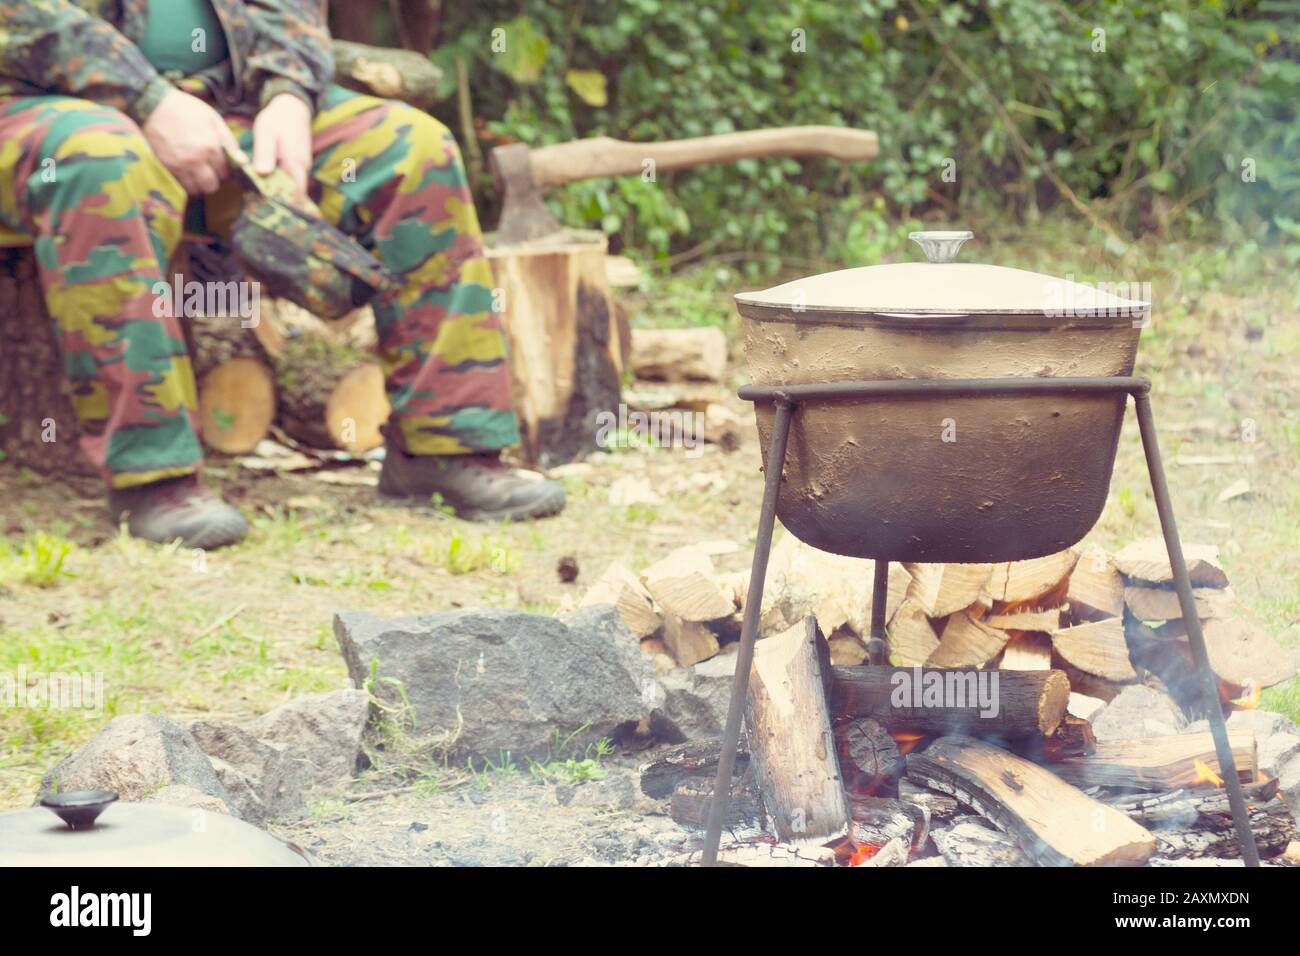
x=234, y=633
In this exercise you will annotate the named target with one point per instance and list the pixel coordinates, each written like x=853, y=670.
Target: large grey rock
x=322, y=730
x=695, y=700
x=136, y=755
x=511, y=681
x=265, y=781
x=180, y=795
x=1139, y=711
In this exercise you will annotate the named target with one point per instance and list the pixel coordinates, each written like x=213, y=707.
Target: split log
x=966, y=642
x=623, y=589
x=1161, y=604
x=1098, y=648
x=846, y=648
x=836, y=590
x=1241, y=651
x=1198, y=823
x=1096, y=588
x=1048, y=620
x=684, y=585
x=911, y=636
x=388, y=73
x=680, y=355
x=1159, y=763
x=689, y=642
x=1148, y=561
x=566, y=353
x=790, y=738
x=1053, y=822
x=1020, y=582
x=236, y=386
x=1027, y=652
x=696, y=759
x=38, y=427
x=934, y=701
x=941, y=589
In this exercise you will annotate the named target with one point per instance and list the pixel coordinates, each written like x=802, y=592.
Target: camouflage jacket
x=88, y=48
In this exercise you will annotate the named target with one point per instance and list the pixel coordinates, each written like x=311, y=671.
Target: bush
x=1153, y=113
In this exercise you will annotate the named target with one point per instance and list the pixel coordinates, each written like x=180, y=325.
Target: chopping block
x=569, y=342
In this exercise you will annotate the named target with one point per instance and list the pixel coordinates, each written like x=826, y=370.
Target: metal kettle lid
x=941, y=286
x=93, y=829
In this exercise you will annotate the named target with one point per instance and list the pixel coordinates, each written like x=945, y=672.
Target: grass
x=236, y=632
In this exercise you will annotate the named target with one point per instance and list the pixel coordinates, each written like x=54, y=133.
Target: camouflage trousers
x=105, y=215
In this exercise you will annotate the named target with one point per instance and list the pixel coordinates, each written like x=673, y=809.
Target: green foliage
x=1151, y=112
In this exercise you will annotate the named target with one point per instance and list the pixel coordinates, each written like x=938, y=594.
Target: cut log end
x=236, y=405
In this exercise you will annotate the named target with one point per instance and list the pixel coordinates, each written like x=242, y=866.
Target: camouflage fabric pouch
x=285, y=243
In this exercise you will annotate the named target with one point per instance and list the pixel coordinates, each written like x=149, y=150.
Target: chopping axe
x=522, y=175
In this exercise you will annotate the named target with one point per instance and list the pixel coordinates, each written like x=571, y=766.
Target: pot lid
x=941, y=286
x=90, y=829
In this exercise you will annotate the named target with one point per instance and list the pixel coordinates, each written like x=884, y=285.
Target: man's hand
x=188, y=136
x=282, y=137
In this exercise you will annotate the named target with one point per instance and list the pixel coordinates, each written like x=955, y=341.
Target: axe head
x=524, y=215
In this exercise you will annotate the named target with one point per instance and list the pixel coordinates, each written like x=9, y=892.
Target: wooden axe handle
x=602, y=156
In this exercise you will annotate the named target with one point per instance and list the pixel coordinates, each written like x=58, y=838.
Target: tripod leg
x=879, y=595
x=1183, y=584
x=748, y=634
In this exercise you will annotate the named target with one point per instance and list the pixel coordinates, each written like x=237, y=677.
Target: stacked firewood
x=844, y=768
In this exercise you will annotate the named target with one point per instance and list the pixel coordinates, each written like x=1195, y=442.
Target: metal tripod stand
x=786, y=398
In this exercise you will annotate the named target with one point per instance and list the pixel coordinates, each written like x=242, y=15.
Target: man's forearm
x=55, y=46
x=292, y=52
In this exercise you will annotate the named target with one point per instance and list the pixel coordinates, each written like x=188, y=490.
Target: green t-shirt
x=183, y=36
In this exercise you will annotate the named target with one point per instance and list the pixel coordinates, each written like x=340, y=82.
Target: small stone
x=1139, y=711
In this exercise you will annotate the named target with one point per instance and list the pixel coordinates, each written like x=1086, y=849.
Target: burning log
x=869, y=756
x=1017, y=704
x=1198, y=823
x=942, y=807
x=971, y=843
x=1159, y=763
x=790, y=738
x=697, y=759
x=1055, y=823
x=690, y=801
x=876, y=821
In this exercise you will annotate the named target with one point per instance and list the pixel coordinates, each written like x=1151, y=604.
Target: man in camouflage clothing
x=114, y=113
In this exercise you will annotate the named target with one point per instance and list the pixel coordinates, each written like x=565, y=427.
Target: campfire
x=1037, y=712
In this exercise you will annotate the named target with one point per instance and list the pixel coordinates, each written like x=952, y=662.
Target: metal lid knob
x=79, y=808
x=940, y=246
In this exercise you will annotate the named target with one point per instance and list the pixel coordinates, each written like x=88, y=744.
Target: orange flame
x=1205, y=775
x=862, y=852
x=906, y=742
x=1250, y=699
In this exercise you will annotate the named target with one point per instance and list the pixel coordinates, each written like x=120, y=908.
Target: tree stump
x=566, y=344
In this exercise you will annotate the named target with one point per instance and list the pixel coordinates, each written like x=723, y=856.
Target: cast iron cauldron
x=90, y=828
x=961, y=478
